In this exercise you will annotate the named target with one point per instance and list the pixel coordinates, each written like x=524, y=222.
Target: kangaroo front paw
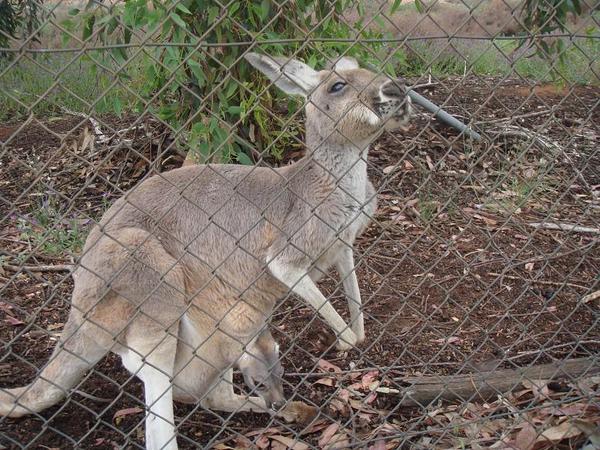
x=358, y=327
x=346, y=341
x=360, y=337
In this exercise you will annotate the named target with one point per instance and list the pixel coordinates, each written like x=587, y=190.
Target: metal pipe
x=442, y=115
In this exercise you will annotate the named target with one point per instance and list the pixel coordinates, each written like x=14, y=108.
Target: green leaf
x=117, y=106
x=234, y=110
x=242, y=158
x=183, y=9
x=74, y=11
x=88, y=28
x=120, y=55
x=233, y=8
x=395, y=6
x=153, y=19
x=178, y=20
x=197, y=71
x=113, y=23
x=127, y=35
x=198, y=128
x=265, y=7
x=231, y=89
x=205, y=150
x=129, y=14
x=213, y=12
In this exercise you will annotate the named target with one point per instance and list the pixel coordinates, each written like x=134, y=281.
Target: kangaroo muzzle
x=394, y=105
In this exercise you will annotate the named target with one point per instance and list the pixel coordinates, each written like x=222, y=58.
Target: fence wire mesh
x=221, y=304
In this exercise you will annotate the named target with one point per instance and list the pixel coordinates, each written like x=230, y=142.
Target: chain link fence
x=475, y=253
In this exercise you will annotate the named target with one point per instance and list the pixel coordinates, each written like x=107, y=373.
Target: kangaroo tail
x=72, y=357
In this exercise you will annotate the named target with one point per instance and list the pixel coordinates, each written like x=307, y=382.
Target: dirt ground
x=454, y=278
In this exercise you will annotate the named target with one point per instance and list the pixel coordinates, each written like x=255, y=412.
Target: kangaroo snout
x=277, y=405
x=394, y=89
x=395, y=104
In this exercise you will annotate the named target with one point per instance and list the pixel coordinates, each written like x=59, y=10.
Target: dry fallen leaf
x=126, y=412
x=343, y=394
x=429, y=162
x=262, y=442
x=243, y=442
x=539, y=388
x=368, y=378
x=327, y=381
x=525, y=439
x=565, y=430
x=485, y=219
x=290, y=443
x=378, y=445
x=339, y=406
x=276, y=445
x=575, y=409
x=328, y=434
x=338, y=441
x=13, y=320
x=326, y=366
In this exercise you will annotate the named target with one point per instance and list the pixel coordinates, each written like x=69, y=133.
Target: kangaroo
x=181, y=274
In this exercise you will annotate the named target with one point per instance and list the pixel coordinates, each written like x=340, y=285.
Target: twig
x=590, y=297
x=536, y=258
x=92, y=397
x=516, y=131
x=550, y=283
x=520, y=116
x=95, y=124
x=564, y=227
x=40, y=268
x=510, y=314
x=553, y=347
x=425, y=85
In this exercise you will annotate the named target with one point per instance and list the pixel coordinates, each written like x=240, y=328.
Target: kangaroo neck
x=340, y=160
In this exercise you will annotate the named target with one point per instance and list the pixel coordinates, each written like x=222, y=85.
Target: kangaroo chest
x=344, y=213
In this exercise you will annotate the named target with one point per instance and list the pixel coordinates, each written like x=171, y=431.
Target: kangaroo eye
x=261, y=387
x=337, y=87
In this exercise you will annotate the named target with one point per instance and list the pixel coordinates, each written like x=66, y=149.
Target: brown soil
x=452, y=277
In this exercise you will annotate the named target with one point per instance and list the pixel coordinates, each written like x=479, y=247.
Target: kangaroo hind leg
x=153, y=284
x=152, y=360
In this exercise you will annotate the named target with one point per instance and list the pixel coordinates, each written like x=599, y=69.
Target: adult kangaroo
x=181, y=274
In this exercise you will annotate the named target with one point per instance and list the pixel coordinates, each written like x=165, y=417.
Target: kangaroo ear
x=290, y=75
x=343, y=63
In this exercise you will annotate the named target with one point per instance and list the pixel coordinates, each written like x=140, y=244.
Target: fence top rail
x=295, y=41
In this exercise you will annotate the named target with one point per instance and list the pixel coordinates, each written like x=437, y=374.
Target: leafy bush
x=18, y=15
x=195, y=77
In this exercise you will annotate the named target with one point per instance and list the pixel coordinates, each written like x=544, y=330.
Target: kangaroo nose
x=393, y=88
x=276, y=406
